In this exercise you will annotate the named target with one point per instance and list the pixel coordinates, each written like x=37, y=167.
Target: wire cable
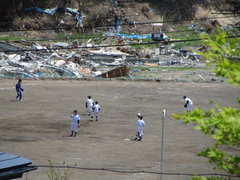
x=112, y=45
x=100, y=35
x=138, y=171
x=54, y=39
x=113, y=25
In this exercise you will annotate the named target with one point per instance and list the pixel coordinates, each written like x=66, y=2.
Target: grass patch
x=77, y=36
x=9, y=37
x=165, y=68
x=145, y=45
x=180, y=45
x=165, y=72
x=186, y=36
x=58, y=37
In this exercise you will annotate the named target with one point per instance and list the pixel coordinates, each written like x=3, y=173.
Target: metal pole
x=161, y=161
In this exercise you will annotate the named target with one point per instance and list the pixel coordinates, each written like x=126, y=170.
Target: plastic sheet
x=134, y=36
x=78, y=17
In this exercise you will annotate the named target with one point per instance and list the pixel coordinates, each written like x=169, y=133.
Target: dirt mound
x=103, y=16
x=214, y=15
x=106, y=16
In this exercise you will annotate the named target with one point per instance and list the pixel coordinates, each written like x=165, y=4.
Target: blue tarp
x=135, y=36
x=52, y=11
x=78, y=17
x=72, y=11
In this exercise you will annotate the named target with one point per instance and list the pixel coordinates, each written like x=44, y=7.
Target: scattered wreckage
x=49, y=64
x=118, y=72
x=59, y=59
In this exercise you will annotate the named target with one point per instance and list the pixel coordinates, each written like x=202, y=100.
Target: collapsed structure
x=61, y=59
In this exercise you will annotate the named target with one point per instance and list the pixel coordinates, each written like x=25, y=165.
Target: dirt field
x=37, y=127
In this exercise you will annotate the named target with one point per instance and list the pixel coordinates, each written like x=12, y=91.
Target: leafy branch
x=222, y=124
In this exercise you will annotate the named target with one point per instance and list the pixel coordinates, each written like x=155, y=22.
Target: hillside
x=104, y=14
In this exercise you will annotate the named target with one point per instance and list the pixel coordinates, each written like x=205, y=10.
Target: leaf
x=238, y=100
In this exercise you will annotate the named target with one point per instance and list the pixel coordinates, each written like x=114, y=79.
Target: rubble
x=61, y=44
x=202, y=78
x=118, y=72
x=117, y=62
x=77, y=15
x=34, y=65
x=54, y=59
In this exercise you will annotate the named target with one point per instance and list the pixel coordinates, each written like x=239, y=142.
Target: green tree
x=222, y=124
x=224, y=55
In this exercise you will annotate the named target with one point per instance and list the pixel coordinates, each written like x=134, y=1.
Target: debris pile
x=61, y=59
x=53, y=63
x=32, y=65
x=118, y=72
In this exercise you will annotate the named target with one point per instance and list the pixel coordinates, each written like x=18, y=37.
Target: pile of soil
x=103, y=17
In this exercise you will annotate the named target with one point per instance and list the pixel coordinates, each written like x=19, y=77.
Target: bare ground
x=37, y=127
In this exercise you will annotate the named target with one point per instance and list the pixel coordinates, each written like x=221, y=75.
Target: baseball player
x=19, y=90
x=138, y=115
x=140, y=124
x=89, y=105
x=188, y=105
x=75, y=124
x=95, y=111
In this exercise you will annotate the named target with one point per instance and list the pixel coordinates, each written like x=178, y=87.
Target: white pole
x=161, y=161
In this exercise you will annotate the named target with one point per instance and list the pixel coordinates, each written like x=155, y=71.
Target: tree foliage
x=224, y=55
x=222, y=124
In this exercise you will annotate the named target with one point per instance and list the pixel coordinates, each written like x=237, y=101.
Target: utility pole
x=162, y=139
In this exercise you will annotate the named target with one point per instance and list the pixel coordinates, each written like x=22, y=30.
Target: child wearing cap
x=89, y=105
x=140, y=124
x=188, y=105
x=75, y=124
x=19, y=90
x=95, y=111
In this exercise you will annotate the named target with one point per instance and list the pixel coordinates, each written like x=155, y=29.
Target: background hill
x=101, y=13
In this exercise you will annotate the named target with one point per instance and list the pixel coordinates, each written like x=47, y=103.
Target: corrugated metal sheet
x=10, y=160
x=118, y=72
x=12, y=166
